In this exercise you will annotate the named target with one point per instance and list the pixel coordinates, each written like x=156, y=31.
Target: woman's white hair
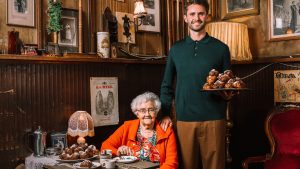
x=143, y=98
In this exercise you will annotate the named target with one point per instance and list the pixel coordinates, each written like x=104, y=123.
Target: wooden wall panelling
x=48, y=93
x=249, y=110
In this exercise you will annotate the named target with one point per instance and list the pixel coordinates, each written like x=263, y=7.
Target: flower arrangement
x=54, y=13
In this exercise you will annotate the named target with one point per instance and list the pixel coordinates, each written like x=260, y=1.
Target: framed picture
x=104, y=100
x=125, y=27
x=59, y=139
x=237, y=8
x=284, y=19
x=68, y=36
x=212, y=10
x=151, y=22
x=20, y=13
x=286, y=87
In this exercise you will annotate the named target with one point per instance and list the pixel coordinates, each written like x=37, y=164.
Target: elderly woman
x=143, y=137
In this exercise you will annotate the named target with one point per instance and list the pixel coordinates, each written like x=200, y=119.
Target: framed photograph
x=104, y=100
x=20, y=13
x=284, y=19
x=68, y=36
x=151, y=22
x=238, y=8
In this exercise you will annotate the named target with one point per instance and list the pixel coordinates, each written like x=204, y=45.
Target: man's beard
x=200, y=28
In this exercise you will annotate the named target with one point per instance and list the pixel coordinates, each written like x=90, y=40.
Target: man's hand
x=165, y=123
x=124, y=150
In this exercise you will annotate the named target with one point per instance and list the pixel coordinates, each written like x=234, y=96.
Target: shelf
x=76, y=58
x=81, y=58
x=294, y=58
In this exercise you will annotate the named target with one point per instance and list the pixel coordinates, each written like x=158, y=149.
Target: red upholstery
x=285, y=128
x=283, y=131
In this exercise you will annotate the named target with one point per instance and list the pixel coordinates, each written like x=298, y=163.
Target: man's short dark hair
x=203, y=3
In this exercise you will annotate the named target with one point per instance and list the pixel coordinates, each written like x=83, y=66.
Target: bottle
x=39, y=142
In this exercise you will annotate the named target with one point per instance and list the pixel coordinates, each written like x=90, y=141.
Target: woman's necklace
x=147, y=133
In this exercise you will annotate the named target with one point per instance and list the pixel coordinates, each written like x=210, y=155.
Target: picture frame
x=121, y=18
x=59, y=139
x=284, y=21
x=151, y=22
x=68, y=36
x=286, y=87
x=232, y=8
x=20, y=13
x=212, y=12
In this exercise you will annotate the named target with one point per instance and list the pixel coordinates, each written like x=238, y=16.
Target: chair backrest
x=283, y=130
x=285, y=127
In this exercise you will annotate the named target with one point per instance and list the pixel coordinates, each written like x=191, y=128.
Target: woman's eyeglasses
x=150, y=110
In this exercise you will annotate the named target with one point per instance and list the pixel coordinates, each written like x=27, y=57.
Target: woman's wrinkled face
x=147, y=113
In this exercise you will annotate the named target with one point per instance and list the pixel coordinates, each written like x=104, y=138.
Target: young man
x=200, y=115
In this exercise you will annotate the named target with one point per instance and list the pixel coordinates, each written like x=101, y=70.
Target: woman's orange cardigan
x=165, y=143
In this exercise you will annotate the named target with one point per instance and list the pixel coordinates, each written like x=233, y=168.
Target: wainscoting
x=47, y=92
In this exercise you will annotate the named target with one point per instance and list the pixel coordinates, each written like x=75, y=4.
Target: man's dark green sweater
x=189, y=62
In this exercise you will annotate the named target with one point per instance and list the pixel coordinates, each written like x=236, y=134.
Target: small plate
x=77, y=160
x=126, y=159
x=77, y=165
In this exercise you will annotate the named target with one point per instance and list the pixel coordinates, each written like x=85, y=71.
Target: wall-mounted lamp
x=139, y=13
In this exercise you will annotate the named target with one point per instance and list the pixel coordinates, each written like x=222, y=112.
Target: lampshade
x=139, y=9
x=235, y=35
x=81, y=124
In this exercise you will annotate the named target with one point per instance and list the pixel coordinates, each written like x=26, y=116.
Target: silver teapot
x=39, y=142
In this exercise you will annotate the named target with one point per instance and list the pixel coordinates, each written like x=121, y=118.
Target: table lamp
x=235, y=35
x=81, y=124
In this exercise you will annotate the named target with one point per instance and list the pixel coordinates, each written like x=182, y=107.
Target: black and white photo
x=151, y=22
x=21, y=13
x=284, y=19
x=68, y=35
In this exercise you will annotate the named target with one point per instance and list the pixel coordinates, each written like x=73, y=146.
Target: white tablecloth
x=32, y=162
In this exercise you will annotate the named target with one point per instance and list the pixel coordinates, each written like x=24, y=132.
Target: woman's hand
x=124, y=150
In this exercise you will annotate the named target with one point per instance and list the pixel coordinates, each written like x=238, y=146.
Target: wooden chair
x=283, y=130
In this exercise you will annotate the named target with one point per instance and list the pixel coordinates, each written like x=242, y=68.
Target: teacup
x=108, y=163
x=105, y=154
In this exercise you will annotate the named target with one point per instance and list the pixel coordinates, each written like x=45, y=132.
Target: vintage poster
x=104, y=100
x=287, y=86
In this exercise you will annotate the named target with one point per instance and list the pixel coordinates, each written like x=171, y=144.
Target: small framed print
x=59, y=139
x=151, y=22
x=284, y=22
x=68, y=35
x=20, y=13
x=232, y=9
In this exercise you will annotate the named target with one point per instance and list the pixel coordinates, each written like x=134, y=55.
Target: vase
x=53, y=37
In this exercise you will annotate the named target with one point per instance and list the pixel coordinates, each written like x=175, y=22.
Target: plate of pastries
x=223, y=81
x=86, y=164
x=78, y=152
